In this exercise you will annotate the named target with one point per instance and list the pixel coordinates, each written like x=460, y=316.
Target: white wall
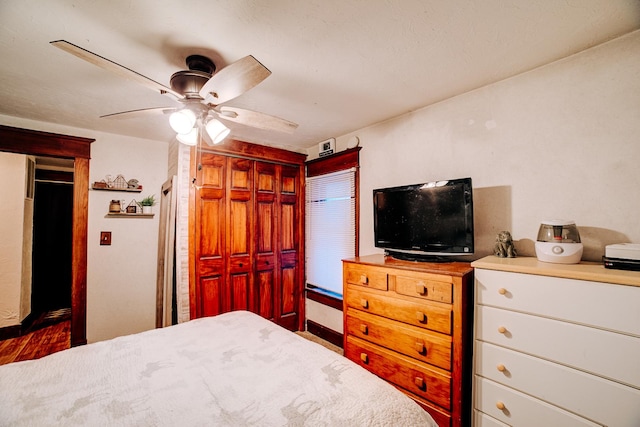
x=12, y=203
x=560, y=141
x=121, y=278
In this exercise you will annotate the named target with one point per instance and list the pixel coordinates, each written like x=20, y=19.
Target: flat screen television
x=428, y=221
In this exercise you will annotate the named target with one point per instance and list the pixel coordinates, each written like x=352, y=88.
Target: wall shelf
x=126, y=190
x=128, y=215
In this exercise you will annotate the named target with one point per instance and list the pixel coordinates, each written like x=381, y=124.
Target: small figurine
x=504, y=246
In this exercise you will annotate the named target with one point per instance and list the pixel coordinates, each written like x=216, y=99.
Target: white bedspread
x=236, y=369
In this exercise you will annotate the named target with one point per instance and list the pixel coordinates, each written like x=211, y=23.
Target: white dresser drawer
x=600, y=400
x=608, y=354
x=481, y=419
x=604, y=305
x=519, y=409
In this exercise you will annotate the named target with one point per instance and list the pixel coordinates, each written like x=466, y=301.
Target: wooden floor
x=36, y=344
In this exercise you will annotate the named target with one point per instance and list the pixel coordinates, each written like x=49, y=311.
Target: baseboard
x=325, y=333
x=12, y=331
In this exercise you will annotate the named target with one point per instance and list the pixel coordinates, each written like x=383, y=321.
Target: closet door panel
x=210, y=240
x=265, y=240
x=240, y=221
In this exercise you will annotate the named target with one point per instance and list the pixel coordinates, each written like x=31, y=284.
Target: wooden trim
x=340, y=161
x=325, y=333
x=316, y=294
x=79, y=252
x=8, y=332
x=37, y=143
x=233, y=147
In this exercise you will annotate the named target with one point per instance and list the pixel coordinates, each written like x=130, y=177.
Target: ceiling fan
x=201, y=91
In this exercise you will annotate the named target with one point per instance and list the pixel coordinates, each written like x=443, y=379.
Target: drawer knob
x=364, y=279
x=364, y=358
x=502, y=329
x=421, y=317
x=364, y=303
x=500, y=405
x=501, y=368
x=364, y=329
x=420, y=348
x=421, y=288
x=420, y=383
x=502, y=291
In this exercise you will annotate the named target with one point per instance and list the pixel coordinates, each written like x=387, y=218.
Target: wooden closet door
x=209, y=242
x=266, y=241
x=240, y=224
x=289, y=235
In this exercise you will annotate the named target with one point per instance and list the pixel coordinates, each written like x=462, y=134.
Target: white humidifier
x=559, y=242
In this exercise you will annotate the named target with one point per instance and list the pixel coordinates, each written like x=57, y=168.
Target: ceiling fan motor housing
x=189, y=82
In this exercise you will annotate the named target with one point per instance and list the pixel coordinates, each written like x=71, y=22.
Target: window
x=331, y=221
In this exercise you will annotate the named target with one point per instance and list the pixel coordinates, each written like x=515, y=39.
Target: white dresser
x=555, y=345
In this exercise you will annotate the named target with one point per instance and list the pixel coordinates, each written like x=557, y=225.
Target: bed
x=234, y=369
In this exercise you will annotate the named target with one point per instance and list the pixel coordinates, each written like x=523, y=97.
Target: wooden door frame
x=37, y=143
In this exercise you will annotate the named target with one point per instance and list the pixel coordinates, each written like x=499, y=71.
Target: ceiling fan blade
x=111, y=66
x=255, y=119
x=234, y=80
x=144, y=112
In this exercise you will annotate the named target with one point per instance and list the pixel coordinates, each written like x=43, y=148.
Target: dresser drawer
x=418, y=343
x=419, y=313
x=417, y=378
x=480, y=419
x=519, y=409
x=573, y=300
x=370, y=277
x=608, y=354
x=422, y=287
x=600, y=400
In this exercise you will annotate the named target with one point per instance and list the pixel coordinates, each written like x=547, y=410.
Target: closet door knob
x=502, y=329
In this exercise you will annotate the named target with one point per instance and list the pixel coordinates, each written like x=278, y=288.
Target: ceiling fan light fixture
x=190, y=138
x=182, y=121
x=217, y=131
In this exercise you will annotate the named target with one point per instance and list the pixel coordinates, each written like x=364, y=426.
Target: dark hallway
x=52, y=228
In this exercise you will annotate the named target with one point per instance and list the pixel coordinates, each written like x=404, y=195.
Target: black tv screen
x=428, y=219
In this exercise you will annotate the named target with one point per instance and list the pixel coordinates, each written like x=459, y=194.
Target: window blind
x=330, y=227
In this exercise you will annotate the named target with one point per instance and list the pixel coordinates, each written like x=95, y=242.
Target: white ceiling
x=338, y=65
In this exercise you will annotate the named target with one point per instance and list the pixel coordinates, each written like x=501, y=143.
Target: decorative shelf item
x=118, y=184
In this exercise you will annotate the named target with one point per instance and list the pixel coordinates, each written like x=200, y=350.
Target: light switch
x=105, y=238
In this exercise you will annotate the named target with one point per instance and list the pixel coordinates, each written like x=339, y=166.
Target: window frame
x=344, y=160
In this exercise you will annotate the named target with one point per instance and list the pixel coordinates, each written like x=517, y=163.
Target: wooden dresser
x=410, y=324
x=556, y=345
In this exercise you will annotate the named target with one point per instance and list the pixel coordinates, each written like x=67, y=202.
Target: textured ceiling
x=337, y=65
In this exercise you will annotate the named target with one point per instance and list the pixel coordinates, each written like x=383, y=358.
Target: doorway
x=52, y=243
x=39, y=143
